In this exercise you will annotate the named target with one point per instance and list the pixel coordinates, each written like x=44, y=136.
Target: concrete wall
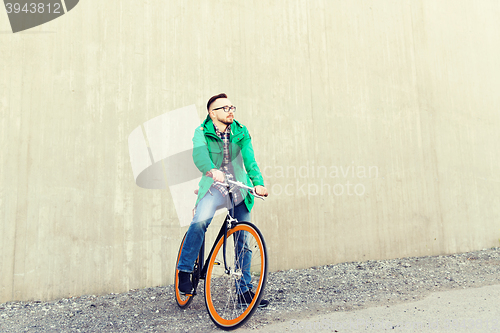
x=405, y=93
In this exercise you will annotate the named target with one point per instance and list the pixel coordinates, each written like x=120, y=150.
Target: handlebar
x=228, y=178
x=240, y=184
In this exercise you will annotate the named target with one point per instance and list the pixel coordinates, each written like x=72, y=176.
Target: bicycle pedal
x=192, y=293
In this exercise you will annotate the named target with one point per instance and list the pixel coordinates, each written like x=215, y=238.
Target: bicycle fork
x=228, y=224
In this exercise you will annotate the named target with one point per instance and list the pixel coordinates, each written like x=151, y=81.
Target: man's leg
x=205, y=211
x=243, y=252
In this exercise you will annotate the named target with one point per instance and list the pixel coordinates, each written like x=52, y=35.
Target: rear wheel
x=183, y=301
x=246, y=259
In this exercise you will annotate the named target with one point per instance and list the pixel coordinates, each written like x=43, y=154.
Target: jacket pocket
x=238, y=138
x=216, y=153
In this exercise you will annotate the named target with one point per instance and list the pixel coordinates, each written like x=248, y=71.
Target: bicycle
x=222, y=268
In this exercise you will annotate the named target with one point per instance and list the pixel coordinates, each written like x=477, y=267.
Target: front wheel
x=246, y=259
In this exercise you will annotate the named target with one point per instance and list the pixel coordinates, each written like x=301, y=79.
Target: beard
x=226, y=120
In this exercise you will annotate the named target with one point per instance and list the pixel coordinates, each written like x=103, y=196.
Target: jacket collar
x=208, y=126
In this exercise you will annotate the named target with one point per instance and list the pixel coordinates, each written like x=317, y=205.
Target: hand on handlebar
x=261, y=190
x=217, y=175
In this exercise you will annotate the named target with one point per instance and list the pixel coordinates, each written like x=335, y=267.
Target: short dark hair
x=213, y=98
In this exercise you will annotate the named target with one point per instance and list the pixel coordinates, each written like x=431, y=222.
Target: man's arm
x=201, y=156
x=251, y=166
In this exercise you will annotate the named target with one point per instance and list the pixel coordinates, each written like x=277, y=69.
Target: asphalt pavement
x=462, y=310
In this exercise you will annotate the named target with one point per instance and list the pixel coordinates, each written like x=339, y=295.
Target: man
x=221, y=146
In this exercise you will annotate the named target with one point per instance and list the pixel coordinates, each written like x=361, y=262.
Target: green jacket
x=208, y=151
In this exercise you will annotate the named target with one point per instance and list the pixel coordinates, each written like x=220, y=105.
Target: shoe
x=246, y=298
x=185, y=285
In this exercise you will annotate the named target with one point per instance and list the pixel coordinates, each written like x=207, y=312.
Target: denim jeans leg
x=205, y=211
x=244, y=259
x=243, y=251
x=241, y=213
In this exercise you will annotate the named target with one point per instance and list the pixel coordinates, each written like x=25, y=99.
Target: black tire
x=221, y=289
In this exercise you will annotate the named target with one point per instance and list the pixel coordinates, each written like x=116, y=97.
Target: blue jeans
x=205, y=211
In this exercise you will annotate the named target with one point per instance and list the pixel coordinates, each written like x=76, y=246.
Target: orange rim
x=208, y=293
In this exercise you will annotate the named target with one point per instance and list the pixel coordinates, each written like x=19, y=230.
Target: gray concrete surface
x=467, y=310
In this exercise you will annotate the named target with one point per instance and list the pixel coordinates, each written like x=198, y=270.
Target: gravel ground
x=294, y=294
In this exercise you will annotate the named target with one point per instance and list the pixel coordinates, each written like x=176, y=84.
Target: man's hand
x=261, y=190
x=217, y=175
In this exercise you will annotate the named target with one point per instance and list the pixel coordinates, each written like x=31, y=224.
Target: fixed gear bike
x=239, y=249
